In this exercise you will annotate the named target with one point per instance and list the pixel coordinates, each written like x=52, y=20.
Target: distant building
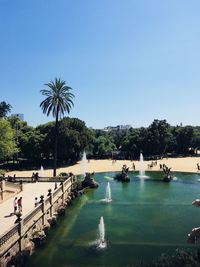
x=19, y=115
x=125, y=127
x=118, y=127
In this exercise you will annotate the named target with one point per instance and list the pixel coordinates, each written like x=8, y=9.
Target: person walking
x=19, y=202
x=133, y=166
x=198, y=167
x=15, y=205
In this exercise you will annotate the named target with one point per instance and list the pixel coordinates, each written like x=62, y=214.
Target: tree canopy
x=5, y=108
x=74, y=137
x=8, y=145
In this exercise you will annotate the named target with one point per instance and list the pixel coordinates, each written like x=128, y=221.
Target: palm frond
x=59, y=98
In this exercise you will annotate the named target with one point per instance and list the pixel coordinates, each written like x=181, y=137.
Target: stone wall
x=14, y=187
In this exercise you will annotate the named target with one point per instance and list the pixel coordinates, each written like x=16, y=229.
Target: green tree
x=159, y=137
x=7, y=140
x=4, y=109
x=30, y=145
x=184, y=138
x=47, y=145
x=74, y=138
x=21, y=130
x=130, y=144
x=103, y=147
x=196, y=139
x=58, y=101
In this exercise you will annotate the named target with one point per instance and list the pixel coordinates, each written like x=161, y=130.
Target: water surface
x=144, y=219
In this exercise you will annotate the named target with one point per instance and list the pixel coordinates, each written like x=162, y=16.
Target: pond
x=145, y=218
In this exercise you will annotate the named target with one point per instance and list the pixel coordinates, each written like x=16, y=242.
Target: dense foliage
x=8, y=146
x=5, y=108
x=22, y=142
x=160, y=139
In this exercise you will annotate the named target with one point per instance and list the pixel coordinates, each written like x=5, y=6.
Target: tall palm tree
x=58, y=101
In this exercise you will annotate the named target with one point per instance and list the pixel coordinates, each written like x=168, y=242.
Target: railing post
x=51, y=201
x=71, y=186
x=2, y=185
x=63, y=194
x=20, y=230
x=43, y=209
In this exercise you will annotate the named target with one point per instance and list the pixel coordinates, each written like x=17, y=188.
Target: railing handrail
x=42, y=177
x=31, y=214
x=57, y=191
x=47, y=200
x=6, y=236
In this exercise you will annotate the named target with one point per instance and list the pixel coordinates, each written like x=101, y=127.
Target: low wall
x=8, y=189
x=14, y=187
x=17, y=238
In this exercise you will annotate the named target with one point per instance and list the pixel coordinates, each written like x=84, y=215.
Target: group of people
x=17, y=204
x=35, y=177
x=11, y=178
x=152, y=164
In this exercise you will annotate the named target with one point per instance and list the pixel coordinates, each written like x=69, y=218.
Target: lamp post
x=17, y=140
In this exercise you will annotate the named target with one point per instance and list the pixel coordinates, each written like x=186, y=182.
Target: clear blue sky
x=128, y=61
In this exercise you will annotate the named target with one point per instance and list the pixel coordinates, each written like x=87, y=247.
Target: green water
x=144, y=220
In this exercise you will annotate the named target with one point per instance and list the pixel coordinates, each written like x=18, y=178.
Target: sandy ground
x=188, y=164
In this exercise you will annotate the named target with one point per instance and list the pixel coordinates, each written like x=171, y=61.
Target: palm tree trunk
x=56, y=143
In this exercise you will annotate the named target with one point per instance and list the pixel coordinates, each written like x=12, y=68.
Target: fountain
x=142, y=171
x=142, y=174
x=41, y=171
x=88, y=177
x=84, y=164
x=108, y=192
x=108, y=197
x=101, y=243
x=167, y=174
x=108, y=178
x=123, y=176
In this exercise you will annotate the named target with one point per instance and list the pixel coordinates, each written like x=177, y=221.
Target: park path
x=30, y=191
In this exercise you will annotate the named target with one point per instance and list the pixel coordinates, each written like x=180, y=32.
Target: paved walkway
x=30, y=191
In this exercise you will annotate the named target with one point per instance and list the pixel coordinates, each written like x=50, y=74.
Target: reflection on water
x=125, y=186
x=140, y=223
